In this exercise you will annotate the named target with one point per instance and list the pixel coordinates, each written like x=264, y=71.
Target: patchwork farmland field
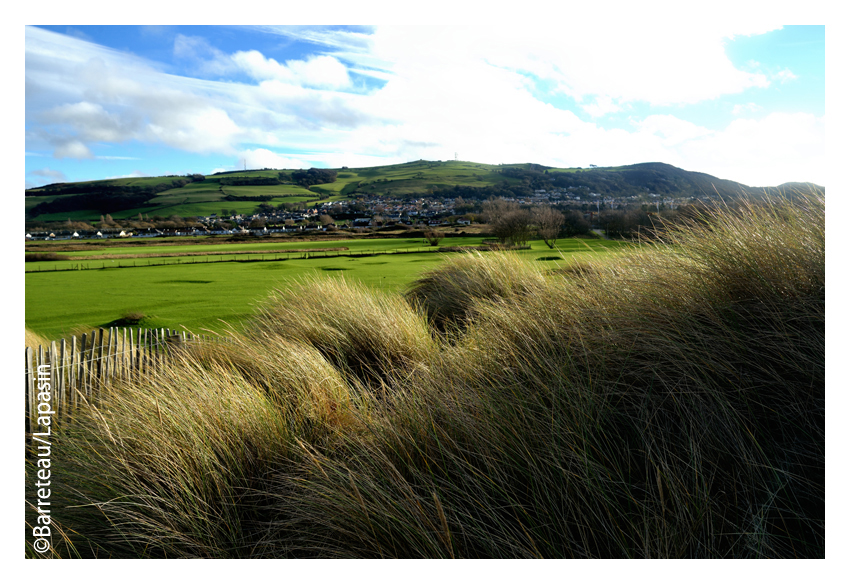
x=210, y=195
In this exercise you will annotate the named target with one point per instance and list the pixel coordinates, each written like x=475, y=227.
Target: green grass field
x=200, y=292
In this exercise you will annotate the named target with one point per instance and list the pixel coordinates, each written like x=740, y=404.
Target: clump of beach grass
x=372, y=335
x=448, y=293
x=34, y=340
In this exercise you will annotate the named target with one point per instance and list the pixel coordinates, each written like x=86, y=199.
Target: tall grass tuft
x=33, y=339
x=666, y=404
x=448, y=293
x=373, y=336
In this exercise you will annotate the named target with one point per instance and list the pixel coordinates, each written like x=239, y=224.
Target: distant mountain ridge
x=198, y=194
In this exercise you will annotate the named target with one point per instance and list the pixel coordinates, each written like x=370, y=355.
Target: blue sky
x=739, y=100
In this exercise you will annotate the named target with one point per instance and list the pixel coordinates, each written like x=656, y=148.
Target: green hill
x=242, y=190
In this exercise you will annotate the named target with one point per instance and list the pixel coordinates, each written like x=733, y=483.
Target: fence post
x=62, y=367
x=154, y=346
x=99, y=358
x=137, y=353
x=54, y=389
x=30, y=392
x=83, y=366
x=110, y=353
x=39, y=360
x=147, y=352
x=129, y=372
x=162, y=348
x=124, y=355
x=143, y=347
x=72, y=372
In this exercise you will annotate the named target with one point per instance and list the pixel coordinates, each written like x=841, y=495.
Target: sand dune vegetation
x=664, y=403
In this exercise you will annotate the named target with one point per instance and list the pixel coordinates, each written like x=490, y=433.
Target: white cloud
x=748, y=107
x=672, y=130
x=195, y=48
x=602, y=105
x=777, y=148
x=93, y=123
x=785, y=75
x=319, y=71
x=49, y=173
x=263, y=158
x=654, y=63
x=194, y=129
x=72, y=149
x=134, y=174
x=322, y=71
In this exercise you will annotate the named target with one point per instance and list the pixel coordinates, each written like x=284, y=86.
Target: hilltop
x=242, y=191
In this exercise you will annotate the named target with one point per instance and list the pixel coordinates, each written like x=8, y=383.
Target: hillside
x=241, y=191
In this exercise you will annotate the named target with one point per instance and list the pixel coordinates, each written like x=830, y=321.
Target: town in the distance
x=421, y=194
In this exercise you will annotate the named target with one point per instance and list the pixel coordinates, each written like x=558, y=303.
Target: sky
x=740, y=99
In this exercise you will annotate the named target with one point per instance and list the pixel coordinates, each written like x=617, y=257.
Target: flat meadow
x=219, y=289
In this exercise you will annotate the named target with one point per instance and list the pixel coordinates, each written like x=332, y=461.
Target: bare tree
x=433, y=236
x=517, y=226
x=507, y=221
x=549, y=222
x=493, y=209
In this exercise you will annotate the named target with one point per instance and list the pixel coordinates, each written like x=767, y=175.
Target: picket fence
x=77, y=371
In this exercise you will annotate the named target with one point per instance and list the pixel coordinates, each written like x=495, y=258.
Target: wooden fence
x=77, y=370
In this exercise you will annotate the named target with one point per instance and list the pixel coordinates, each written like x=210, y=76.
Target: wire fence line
x=82, y=264
x=65, y=373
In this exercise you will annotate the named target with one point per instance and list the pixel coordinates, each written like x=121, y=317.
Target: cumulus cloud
x=197, y=129
x=785, y=75
x=318, y=71
x=748, y=150
x=91, y=122
x=49, y=173
x=653, y=63
x=671, y=129
x=81, y=94
x=72, y=149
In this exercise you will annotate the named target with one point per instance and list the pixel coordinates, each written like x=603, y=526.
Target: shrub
x=434, y=237
x=44, y=257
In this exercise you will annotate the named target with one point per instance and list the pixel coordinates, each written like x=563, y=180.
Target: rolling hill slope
x=241, y=191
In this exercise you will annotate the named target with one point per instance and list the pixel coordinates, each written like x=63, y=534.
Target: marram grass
x=669, y=404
